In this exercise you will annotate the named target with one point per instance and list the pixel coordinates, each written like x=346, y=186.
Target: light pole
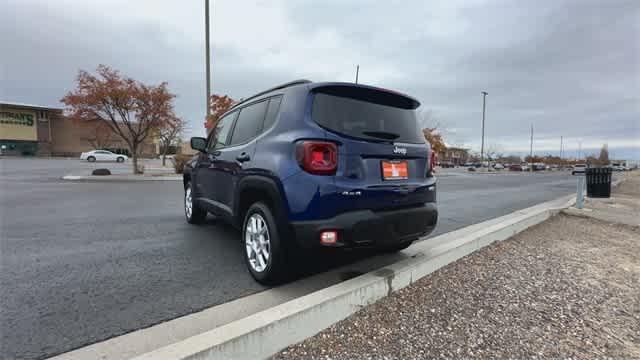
x=207, y=60
x=579, y=149
x=531, y=152
x=484, y=105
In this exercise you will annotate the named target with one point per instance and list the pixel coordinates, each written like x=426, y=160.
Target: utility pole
x=207, y=60
x=357, y=71
x=561, y=148
x=531, y=152
x=579, y=149
x=484, y=105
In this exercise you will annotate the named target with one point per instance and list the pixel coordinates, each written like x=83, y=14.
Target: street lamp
x=206, y=47
x=484, y=104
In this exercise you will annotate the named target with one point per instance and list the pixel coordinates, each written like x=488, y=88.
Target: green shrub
x=101, y=172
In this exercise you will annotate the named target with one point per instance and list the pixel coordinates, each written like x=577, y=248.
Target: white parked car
x=498, y=166
x=618, y=167
x=579, y=169
x=102, y=155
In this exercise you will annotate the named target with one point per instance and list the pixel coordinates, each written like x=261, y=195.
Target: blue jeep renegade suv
x=307, y=165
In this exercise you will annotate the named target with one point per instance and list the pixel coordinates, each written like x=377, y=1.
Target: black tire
x=120, y=159
x=274, y=271
x=91, y=159
x=397, y=247
x=194, y=215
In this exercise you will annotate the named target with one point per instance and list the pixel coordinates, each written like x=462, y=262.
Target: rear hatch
x=382, y=153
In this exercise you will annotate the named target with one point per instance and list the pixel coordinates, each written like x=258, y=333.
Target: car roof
x=296, y=85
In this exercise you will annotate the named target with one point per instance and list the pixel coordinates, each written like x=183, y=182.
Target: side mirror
x=199, y=143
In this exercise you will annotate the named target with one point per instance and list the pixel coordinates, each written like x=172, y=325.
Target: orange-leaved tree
x=100, y=135
x=435, y=139
x=132, y=110
x=219, y=104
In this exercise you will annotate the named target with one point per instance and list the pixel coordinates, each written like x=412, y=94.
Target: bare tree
x=603, y=159
x=493, y=151
x=169, y=133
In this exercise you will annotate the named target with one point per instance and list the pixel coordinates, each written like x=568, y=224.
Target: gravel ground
x=567, y=288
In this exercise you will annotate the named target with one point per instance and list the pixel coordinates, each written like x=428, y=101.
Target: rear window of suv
x=367, y=114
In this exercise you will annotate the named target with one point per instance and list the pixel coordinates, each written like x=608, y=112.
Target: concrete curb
x=265, y=333
x=121, y=178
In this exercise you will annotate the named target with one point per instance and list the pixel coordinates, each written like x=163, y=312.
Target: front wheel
x=120, y=159
x=91, y=159
x=263, y=250
x=193, y=213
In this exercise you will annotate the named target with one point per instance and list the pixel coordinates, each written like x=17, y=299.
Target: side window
x=272, y=112
x=220, y=135
x=249, y=122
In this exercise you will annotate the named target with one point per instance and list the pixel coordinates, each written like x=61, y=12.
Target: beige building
x=456, y=156
x=38, y=130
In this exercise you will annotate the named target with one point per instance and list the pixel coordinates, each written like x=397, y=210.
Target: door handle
x=243, y=157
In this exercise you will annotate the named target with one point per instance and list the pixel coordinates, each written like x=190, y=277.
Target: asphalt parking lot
x=81, y=262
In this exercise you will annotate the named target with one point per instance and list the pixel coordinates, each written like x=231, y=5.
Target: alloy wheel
x=257, y=242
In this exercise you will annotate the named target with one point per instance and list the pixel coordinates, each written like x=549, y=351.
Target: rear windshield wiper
x=381, y=135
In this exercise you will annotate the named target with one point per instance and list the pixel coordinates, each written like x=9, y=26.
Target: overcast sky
x=570, y=68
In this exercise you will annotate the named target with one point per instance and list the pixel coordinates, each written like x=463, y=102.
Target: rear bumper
x=366, y=228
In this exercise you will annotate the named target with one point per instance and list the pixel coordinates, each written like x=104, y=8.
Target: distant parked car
x=539, y=167
x=102, y=155
x=498, y=166
x=515, y=167
x=618, y=167
x=468, y=164
x=447, y=164
x=579, y=169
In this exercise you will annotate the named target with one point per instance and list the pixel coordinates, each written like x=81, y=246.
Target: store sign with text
x=15, y=118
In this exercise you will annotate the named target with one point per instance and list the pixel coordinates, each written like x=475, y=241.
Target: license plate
x=395, y=170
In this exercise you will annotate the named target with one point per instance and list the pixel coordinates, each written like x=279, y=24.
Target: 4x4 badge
x=399, y=150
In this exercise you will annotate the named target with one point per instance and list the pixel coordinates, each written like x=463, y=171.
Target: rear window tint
x=368, y=120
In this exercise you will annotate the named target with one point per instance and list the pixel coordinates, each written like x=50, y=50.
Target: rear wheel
x=91, y=159
x=263, y=250
x=193, y=213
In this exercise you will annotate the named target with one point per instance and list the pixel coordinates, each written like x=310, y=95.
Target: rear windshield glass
x=366, y=120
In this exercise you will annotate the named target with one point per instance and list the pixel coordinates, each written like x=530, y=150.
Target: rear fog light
x=329, y=237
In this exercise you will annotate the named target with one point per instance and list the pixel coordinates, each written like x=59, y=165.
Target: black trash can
x=598, y=182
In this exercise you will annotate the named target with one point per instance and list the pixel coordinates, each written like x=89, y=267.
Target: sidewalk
x=566, y=288
x=153, y=171
x=623, y=206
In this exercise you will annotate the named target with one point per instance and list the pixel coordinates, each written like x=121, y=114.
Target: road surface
x=82, y=262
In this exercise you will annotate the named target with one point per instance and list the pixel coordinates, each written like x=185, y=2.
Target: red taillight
x=433, y=158
x=317, y=157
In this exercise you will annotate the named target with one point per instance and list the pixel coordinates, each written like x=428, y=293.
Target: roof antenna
x=357, y=71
